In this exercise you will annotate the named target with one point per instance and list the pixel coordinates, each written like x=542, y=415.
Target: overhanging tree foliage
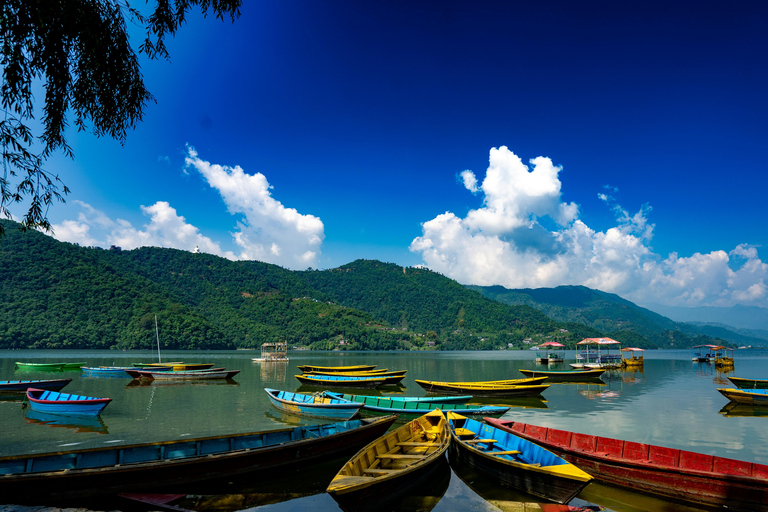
x=79, y=51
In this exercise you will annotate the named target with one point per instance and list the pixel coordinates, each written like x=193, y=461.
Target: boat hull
x=482, y=390
x=100, y=471
x=53, y=402
x=392, y=465
x=336, y=369
x=181, y=375
x=749, y=383
x=386, y=405
x=673, y=474
x=746, y=396
x=105, y=371
x=517, y=463
x=312, y=406
x=566, y=376
x=340, y=381
x=10, y=386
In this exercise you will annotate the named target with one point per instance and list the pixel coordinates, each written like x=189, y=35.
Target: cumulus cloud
x=265, y=231
x=268, y=230
x=525, y=236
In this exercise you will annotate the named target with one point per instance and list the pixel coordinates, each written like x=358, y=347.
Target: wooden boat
x=39, y=366
x=674, y=474
x=390, y=378
x=42, y=400
x=387, y=405
x=340, y=381
x=745, y=396
x=566, y=375
x=273, y=353
x=114, y=469
x=105, y=371
x=336, y=369
x=315, y=406
x=749, y=383
x=529, y=388
x=179, y=367
x=217, y=373
x=393, y=464
x=721, y=357
x=448, y=399
x=631, y=357
x=157, y=365
x=513, y=461
x=9, y=386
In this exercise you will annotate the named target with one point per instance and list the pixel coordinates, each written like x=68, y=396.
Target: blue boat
x=512, y=461
x=315, y=406
x=63, y=403
x=9, y=386
x=415, y=406
x=341, y=381
x=105, y=371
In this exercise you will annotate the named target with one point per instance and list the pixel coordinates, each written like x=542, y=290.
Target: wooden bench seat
x=506, y=452
x=397, y=456
x=473, y=441
x=415, y=443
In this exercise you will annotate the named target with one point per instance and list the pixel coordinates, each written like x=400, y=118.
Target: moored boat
x=147, y=374
x=743, y=383
x=675, y=474
x=746, y=396
x=596, y=353
x=550, y=352
x=512, y=461
x=157, y=365
x=448, y=399
x=387, y=405
x=178, y=367
x=10, y=386
x=392, y=464
x=43, y=400
x=485, y=389
x=105, y=371
x=336, y=369
x=39, y=366
x=631, y=357
x=340, y=381
x=585, y=375
x=95, y=471
x=390, y=378
x=315, y=406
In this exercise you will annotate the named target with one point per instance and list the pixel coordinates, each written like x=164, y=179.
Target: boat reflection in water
x=90, y=424
x=619, y=499
x=524, y=402
x=733, y=409
x=169, y=382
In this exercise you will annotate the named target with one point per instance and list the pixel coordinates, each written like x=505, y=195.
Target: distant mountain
x=738, y=316
x=617, y=316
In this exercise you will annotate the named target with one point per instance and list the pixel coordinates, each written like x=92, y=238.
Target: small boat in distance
x=177, y=367
x=340, y=381
x=585, y=375
x=525, y=387
x=41, y=400
x=213, y=373
x=390, y=378
x=512, y=461
x=393, y=464
x=9, y=386
x=550, y=352
x=448, y=399
x=722, y=359
x=30, y=479
x=336, y=369
x=386, y=405
x=105, y=371
x=596, y=353
x=703, y=353
x=314, y=406
x=746, y=396
x=740, y=382
x=676, y=474
x=273, y=353
x=632, y=357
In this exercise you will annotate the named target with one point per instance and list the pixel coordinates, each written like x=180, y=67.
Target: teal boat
x=314, y=406
x=387, y=405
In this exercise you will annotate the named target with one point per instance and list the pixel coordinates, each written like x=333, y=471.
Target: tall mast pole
x=157, y=333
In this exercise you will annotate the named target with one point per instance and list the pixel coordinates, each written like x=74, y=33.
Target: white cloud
x=524, y=236
x=269, y=231
x=470, y=181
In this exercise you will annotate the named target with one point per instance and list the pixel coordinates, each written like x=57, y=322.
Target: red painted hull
x=671, y=473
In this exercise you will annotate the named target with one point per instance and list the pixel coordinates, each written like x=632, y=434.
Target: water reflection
x=158, y=383
x=733, y=409
x=526, y=402
x=273, y=370
x=77, y=423
x=620, y=499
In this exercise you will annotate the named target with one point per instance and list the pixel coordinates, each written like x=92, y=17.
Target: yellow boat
x=393, y=464
x=513, y=387
x=181, y=367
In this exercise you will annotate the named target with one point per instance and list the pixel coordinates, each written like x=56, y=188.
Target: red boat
x=668, y=472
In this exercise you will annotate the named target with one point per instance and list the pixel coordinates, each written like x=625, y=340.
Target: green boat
x=389, y=406
x=49, y=366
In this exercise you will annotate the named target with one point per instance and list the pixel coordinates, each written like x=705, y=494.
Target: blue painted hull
x=53, y=402
x=306, y=405
x=386, y=405
x=23, y=385
x=106, y=371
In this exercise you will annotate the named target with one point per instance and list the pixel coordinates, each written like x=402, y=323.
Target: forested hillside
x=60, y=295
x=609, y=313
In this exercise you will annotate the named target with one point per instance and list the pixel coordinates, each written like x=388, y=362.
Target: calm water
x=672, y=402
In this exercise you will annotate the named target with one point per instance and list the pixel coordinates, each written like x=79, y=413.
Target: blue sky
x=310, y=134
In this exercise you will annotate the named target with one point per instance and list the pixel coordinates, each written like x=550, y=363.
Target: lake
x=671, y=402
